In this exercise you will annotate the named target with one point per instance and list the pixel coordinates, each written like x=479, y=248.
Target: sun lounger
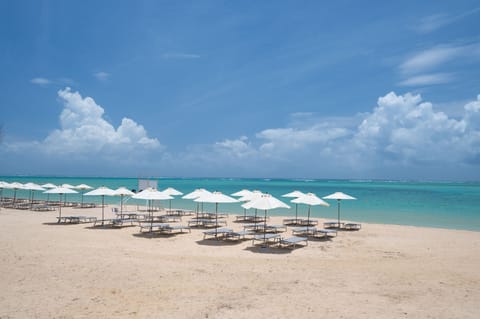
x=352, y=226
x=293, y=241
x=205, y=222
x=239, y=235
x=314, y=232
x=42, y=208
x=216, y=233
x=307, y=222
x=76, y=219
x=324, y=233
x=175, y=229
x=266, y=238
x=151, y=227
x=333, y=224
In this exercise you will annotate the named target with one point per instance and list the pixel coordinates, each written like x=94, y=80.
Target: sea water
x=454, y=205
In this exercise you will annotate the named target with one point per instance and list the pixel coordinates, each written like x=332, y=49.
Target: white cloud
x=431, y=58
x=85, y=134
x=402, y=131
x=40, y=81
x=428, y=79
x=436, y=21
x=102, y=76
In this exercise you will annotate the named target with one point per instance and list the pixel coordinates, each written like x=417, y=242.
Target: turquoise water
x=433, y=204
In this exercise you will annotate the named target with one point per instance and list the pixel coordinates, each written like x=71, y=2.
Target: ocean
x=452, y=205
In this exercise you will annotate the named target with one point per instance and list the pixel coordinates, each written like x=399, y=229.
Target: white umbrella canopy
x=83, y=187
x=215, y=197
x=102, y=191
x=49, y=185
x=249, y=197
x=151, y=194
x=243, y=192
x=339, y=196
x=196, y=194
x=15, y=186
x=32, y=187
x=122, y=191
x=295, y=194
x=310, y=199
x=172, y=192
x=68, y=186
x=60, y=191
x=265, y=202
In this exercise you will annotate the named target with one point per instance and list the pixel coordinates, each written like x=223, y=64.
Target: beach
x=50, y=270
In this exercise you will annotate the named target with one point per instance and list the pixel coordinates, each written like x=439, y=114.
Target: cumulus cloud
x=83, y=130
x=401, y=131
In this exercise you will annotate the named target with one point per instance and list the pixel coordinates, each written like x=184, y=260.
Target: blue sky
x=241, y=88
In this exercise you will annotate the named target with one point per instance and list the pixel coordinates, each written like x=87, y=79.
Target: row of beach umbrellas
x=251, y=199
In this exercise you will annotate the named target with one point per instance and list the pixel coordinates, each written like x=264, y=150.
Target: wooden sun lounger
x=42, y=208
x=206, y=222
x=269, y=238
x=314, y=232
x=352, y=226
x=333, y=224
x=217, y=233
x=293, y=241
x=76, y=219
x=239, y=235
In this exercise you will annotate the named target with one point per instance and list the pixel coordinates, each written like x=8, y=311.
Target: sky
x=277, y=89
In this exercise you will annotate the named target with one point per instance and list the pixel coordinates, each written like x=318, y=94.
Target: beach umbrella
x=294, y=194
x=15, y=186
x=67, y=186
x=122, y=191
x=83, y=187
x=172, y=192
x=48, y=185
x=151, y=194
x=339, y=196
x=3, y=185
x=196, y=194
x=101, y=191
x=243, y=192
x=32, y=187
x=249, y=197
x=60, y=191
x=265, y=202
x=216, y=197
x=309, y=199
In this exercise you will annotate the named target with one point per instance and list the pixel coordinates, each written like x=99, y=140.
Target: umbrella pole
x=121, y=206
x=308, y=218
x=296, y=214
x=82, y=199
x=169, y=205
x=265, y=230
x=338, y=212
x=60, y=209
x=14, y=196
x=103, y=207
x=216, y=219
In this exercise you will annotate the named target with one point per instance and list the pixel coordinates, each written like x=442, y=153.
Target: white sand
x=381, y=271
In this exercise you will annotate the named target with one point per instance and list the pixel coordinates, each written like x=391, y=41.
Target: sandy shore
x=381, y=271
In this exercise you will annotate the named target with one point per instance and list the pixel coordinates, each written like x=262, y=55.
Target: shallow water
x=433, y=204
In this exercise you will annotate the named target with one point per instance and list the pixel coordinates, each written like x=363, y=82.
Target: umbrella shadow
x=218, y=242
x=259, y=249
x=151, y=235
x=106, y=227
x=59, y=224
